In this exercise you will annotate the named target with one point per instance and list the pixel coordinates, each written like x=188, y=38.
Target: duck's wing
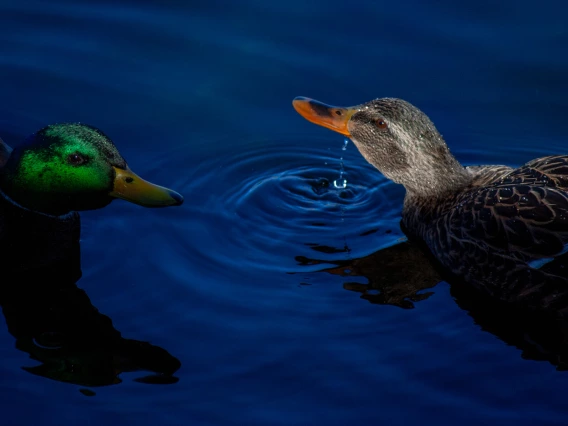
x=523, y=214
x=487, y=175
x=549, y=171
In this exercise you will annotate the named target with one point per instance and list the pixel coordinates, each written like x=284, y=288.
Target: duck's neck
x=429, y=195
x=56, y=216
x=33, y=202
x=435, y=181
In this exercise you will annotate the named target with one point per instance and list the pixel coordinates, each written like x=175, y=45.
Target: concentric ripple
x=275, y=200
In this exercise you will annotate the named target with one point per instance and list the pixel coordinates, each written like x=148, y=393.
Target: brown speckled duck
x=503, y=230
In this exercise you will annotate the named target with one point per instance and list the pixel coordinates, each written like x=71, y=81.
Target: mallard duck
x=57, y=171
x=67, y=167
x=500, y=229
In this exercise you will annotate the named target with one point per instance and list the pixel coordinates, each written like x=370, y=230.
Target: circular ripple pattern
x=274, y=201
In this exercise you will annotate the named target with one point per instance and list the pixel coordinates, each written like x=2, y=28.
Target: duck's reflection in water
x=403, y=274
x=52, y=319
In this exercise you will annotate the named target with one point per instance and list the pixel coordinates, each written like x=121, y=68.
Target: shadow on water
x=403, y=274
x=52, y=319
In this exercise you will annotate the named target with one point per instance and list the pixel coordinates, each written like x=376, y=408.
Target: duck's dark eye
x=337, y=112
x=381, y=124
x=76, y=159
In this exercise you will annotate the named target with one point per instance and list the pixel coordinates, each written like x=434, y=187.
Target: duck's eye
x=381, y=124
x=76, y=159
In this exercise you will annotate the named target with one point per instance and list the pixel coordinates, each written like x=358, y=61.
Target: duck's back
x=504, y=231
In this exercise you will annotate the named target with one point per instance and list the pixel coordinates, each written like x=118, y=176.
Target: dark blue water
x=236, y=284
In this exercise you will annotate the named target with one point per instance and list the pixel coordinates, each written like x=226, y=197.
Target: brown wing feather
x=524, y=213
x=528, y=221
x=487, y=175
x=497, y=232
x=549, y=171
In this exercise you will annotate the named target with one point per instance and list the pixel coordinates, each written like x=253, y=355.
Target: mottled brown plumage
x=503, y=230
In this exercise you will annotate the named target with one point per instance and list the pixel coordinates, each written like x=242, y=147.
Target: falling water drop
x=341, y=182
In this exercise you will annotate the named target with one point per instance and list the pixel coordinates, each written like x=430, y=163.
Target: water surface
x=236, y=283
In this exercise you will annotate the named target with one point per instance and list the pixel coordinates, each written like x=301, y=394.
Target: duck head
x=395, y=137
x=66, y=167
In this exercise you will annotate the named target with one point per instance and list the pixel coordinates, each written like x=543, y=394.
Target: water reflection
x=402, y=274
x=397, y=275
x=52, y=319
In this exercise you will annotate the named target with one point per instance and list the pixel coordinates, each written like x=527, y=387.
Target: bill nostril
x=129, y=180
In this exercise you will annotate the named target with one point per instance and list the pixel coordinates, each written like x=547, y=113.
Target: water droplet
x=340, y=183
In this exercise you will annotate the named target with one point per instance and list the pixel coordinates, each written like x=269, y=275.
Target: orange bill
x=334, y=118
x=131, y=187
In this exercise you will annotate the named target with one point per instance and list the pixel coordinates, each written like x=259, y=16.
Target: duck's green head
x=66, y=167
